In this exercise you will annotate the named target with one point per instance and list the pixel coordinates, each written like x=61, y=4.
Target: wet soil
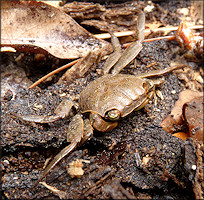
x=138, y=159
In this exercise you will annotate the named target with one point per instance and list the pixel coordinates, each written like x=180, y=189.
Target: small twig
x=170, y=37
x=53, y=72
x=147, y=31
x=152, y=39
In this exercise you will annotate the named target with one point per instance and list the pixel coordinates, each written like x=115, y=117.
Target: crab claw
x=101, y=125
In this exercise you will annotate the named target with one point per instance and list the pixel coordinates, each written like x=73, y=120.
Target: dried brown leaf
x=175, y=117
x=193, y=115
x=84, y=10
x=81, y=67
x=26, y=25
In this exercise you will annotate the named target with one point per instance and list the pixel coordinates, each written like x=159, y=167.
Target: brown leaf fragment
x=113, y=17
x=83, y=10
x=81, y=67
x=193, y=115
x=175, y=118
x=38, y=27
x=99, y=24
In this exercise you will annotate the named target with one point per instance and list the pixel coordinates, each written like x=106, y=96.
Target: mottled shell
x=122, y=92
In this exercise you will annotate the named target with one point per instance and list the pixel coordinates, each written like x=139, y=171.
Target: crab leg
x=56, y=159
x=78, y=132
x=114, y=57
x=74, y=135
x=133, y=50
x=141, y=26
x=128, y=55
x=160, y=72
x=61, y=111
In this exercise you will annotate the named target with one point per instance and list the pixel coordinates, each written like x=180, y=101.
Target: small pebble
x=173, y=92
x=194, y=167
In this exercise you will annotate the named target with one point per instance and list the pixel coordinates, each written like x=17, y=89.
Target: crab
x=115, y=96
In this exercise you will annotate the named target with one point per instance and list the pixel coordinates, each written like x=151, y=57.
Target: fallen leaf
x=105, y=17
x=83, y=10
x=181, y=135
x=193, y=116
x=175, y=118
x=38, y=27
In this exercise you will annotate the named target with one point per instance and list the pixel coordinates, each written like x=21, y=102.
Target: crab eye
x=113, y=115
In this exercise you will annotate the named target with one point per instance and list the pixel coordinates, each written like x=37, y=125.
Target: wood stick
x=53, y=72
x=147, y=31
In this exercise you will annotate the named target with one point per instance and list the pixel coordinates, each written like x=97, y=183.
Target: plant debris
x=174, y=120
x=36, y=24
x=75, y=168
x=193, y=115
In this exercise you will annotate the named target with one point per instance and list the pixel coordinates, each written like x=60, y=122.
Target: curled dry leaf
x=193, y=116
x=175, y=118
x=38, y=27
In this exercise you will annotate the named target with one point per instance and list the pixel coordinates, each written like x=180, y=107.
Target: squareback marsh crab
x=106, y=99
